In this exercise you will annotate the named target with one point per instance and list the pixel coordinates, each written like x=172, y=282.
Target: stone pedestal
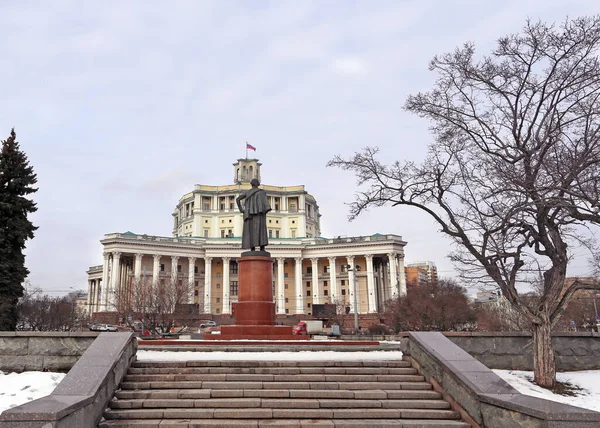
x=255, y=310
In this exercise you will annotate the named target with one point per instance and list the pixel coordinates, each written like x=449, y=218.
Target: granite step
x=277, y=393
x=285, y=423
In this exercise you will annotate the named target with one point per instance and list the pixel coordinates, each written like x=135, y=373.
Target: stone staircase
x=277, y=394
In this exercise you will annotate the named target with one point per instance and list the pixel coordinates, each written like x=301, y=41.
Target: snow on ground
x=588, y=380
x=268, y=356
x=19, y=388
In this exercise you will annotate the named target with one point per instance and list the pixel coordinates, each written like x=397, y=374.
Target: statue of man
x=256, y=207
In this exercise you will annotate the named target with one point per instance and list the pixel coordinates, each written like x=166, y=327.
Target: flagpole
x=246, y=149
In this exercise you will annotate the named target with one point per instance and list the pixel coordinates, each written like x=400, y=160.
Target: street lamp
x=355, y=269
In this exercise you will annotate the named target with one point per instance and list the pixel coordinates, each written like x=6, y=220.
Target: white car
x=207, y=324
x=107, y=327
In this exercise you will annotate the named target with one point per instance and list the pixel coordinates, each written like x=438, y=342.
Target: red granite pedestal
x=255, y=310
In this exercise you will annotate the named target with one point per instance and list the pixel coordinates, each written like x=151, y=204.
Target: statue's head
x=254, y=182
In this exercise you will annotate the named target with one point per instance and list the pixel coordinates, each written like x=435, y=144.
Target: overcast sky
x=122, y=106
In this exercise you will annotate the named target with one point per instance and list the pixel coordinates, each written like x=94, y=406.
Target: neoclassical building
x=206, y=242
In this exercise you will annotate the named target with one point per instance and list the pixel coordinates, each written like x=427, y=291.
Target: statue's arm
x=238, y=200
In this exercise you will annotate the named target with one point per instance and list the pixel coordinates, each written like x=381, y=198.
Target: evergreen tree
x=16, y=182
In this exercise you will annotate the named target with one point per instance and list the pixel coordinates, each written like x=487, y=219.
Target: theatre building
x=206, y=242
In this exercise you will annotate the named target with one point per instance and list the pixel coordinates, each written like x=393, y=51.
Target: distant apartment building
x=428, y=266
x=416, y=276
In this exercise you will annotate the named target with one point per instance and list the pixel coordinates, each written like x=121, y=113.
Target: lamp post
x=355, y=269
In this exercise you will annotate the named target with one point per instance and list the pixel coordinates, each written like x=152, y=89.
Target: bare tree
x=515, y=165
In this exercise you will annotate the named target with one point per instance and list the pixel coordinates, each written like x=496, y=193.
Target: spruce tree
x=16, y=182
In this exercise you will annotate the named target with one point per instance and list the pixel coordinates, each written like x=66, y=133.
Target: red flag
x=250, y=147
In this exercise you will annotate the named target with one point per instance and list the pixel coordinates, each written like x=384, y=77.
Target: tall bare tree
x=514, y=167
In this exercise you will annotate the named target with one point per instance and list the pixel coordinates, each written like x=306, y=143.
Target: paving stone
x=370, y=395
x=428, y=414
x=228, y=402
x=243, y=413
x=286, y=385
x=415, y=404
x=322, y=393
x=287, y=403
x=152, y=403
x=360, y=413
x=233, y=385
x=222, y=423
x=346, y=404
x=188, y=413
x=226, y=393
x=267, y=393
x=194, y=393
x=302, y=413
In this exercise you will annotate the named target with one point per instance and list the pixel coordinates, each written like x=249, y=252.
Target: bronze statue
x=255, y=211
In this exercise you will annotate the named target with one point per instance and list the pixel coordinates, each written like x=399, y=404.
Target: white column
x=174, y=261
x=298, y=291
x=402, y=275
x=115, y=280
x=90, y=295
x=191, y=278
x=370, y=284
x=280, y=286
x=351, y=277
x=316, y=290
x=226, y=287
x=333, y=290
x=393, y=286
x=207, y=285
x=103, y=291
x=138, y=267
x=156, y=269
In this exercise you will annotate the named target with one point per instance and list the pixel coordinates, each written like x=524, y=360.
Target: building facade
x=206, y=243
x=429, y=267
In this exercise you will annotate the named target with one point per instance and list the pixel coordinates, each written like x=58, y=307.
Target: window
x=276, y=221
x=276, y=234
x=218, y=285
x=343, y=291
x=195, y=269
x=179, y=268
x=308, y=293
x=218, y=300
x=222, y=207
x=285, y=286
x=162, y=267
x=195, y=292
x=205, y=206
x=270, y=232
x=325, y=293
x=343, y=282
x=233, y=288
x=324, y=283
x=287, y=300
x=287, y=311
x=233, y=266
x=206, y=233
x=222, y=233
x=307, y=284
x=218, y=274
x=325, y=269
x=293, y=208
x=231, y=205
x=285, y=274
x=308, y=270
x=230, y=233
x=218, y=311
x=195, y=283
x=269, y=221
x=293, y=233
x=229, y=220
x=206, y=221
x=308, y=305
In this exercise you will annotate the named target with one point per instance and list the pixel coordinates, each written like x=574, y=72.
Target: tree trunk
x=544, y=366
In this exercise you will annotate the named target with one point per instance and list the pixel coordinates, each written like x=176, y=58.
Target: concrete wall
x=36, y=351
x=512, y=351
x=482, y=397
x=83, y=395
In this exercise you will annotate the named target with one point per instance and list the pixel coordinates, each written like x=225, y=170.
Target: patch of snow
x=587, y=380
x=19, y=388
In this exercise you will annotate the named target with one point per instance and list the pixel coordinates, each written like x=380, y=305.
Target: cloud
x=350, y=66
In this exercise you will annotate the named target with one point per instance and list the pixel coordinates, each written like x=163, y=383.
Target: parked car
x=207, y=324
x=94, y=326
x=110, y=327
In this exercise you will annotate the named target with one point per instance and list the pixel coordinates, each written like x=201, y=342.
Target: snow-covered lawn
x=20, y=388
x=588, y=381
